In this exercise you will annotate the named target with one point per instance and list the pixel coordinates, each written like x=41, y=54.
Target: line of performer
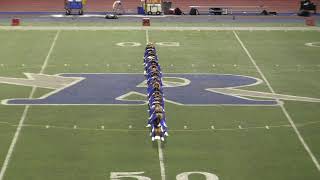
x=153, y=74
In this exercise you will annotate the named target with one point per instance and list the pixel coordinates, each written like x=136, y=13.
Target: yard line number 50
x=138, y=176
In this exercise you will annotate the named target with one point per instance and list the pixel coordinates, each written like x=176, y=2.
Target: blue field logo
x=129, y=89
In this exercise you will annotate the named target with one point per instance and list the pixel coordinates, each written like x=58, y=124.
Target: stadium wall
x=131, y=5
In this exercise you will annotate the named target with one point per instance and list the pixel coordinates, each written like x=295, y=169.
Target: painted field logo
x=129, y=89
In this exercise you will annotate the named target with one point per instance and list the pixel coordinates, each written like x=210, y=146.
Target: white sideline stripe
x=141, y=28
x=162, y=167
x=306, y=147
x=24, y=114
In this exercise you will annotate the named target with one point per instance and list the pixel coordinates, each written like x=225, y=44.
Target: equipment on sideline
x=111, y=16
x=15, y=22
x=194, y=11
x=177, y=11
x=146, y=22
x=71, y=5
x=153, y=7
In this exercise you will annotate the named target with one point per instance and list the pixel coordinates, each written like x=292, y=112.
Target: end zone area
x=81, y=142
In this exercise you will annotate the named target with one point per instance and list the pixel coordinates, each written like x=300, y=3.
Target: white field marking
x=245, y=93
x=173, y=130
x=128, y=28
x=313, y=44
x=128, y=44
x=168, y=44
x=161, y=160
x=147, y=36
x=41, y=80
x=285, y=112
x=25, y=113
x=124, y=96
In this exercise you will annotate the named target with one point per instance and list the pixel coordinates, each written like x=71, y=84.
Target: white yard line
x=24, y=115
x=162, y=167
x=147, y=36
x=160, y=28
x=285, y=112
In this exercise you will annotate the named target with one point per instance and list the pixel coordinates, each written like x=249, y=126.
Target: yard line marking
x=147, y=36
x=25, y=113
x=45, y=64
x=162, y=167
x=284, y=110
x=173, y=130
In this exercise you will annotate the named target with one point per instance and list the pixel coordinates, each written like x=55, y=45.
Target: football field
x=244, y=105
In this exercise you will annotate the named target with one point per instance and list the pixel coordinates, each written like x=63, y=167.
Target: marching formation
x=157, y=118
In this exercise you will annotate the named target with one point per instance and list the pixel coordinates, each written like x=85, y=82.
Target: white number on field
x=119, y=175
x=185, y=175
x=128, y=44
x=181, y=176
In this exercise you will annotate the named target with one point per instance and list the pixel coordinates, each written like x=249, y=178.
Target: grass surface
x=251, y=153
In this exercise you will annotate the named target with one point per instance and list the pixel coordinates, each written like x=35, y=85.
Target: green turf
x=75, y=147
